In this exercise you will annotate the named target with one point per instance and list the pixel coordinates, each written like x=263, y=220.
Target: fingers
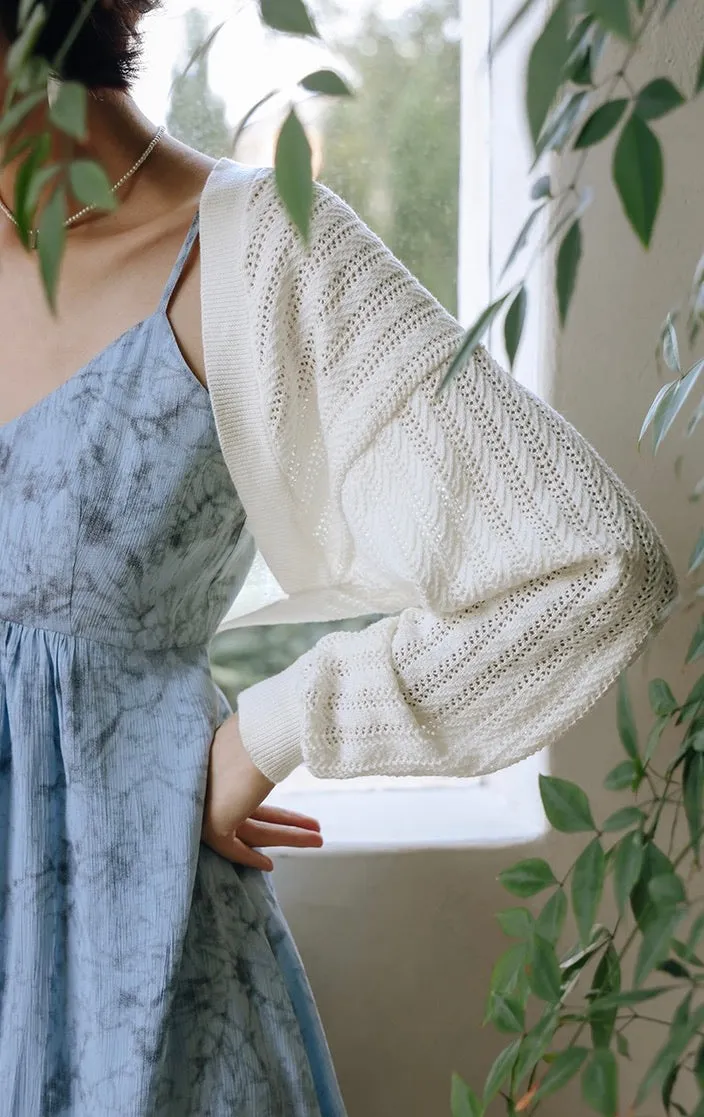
x=285, y=817
x=268, y=834
x=234, y=849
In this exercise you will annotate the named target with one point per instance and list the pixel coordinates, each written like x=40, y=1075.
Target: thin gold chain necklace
x=34, y=233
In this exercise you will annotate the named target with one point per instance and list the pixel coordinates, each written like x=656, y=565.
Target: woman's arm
x=520, y=574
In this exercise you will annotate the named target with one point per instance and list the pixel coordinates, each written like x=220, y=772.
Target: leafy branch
x=571, y=108
x=585, y=1005
x=45, y=185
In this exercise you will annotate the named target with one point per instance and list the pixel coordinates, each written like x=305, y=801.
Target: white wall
x=399, y=947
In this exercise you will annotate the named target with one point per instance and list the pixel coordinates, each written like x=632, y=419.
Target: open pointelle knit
x=516, y=574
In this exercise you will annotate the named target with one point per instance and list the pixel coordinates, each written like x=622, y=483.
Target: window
x=427, y=183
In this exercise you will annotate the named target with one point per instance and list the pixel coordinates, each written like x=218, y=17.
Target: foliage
x=567, y=1012
x=44, y=185
x=580, y=93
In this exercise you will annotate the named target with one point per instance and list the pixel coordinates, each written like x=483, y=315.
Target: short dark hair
x=105, y=54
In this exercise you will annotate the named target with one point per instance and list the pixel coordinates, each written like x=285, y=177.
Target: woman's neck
x=117, y=134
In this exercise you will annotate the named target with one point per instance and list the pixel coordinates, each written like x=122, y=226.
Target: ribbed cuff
x=270, y=723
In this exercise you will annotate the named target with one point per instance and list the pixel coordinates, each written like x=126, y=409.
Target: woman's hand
x=233, y=819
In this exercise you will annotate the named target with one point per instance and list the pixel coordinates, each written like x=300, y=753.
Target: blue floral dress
x=141, y=973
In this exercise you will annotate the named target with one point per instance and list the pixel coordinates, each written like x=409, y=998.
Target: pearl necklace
x=34, y=233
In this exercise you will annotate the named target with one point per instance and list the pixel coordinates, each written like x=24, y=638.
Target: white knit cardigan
x=516, y=574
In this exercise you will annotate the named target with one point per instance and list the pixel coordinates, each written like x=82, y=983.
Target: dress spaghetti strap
x=180, y=263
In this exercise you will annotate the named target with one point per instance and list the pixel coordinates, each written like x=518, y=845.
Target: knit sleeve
x=517, y=575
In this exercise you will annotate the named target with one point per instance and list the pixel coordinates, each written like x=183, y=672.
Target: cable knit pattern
x=520, y=576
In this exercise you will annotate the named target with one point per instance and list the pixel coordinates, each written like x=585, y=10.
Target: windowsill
x=388, y=819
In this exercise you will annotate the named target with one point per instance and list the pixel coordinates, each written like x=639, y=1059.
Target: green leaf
x=560, y=124
x=693, y=793
x=40, y=179
x=657, y=98
x=696, y=646
x=568, y=259
x=32, y=74
x=544, y=76
x=508, y=970
x=33, y=162
x=666, y=890
x=506, y=1013
x=288, y=15
x=638, y=175
x=699, y=1066
x=24, y=11
x=662, y=700
x=700, y=77
x=328, y=82
x=90, y=184
x=683, y=951
x=674, y=968
x=52, y=236
x=565, y=805
x=69, y=110
x=676, y=399
x=551, y=920
x=544, y=974
x=18, y=111
x=627, y=866
x=522, y=238
x=600, y=1082
x=463, y=1100
x=655, y=945
x=601, y=123
x=654, y=864
x=536, y=1042
x=517, y=923
x=654, y=739
x=626, y=774
x=607, y=979
x=629, y=997
x=622, y=819
x=670, y=345
x=613, y=15
x=566, y=1065
x=500, y=1070
x=541, y=188
x=683, y=1029
x=625, y=721
x=577, y=958
x=697, y=556
x=514, y=322
x=294, y=172
x=588, y=887
x=471, y=340
x=657, y=407
x=528, y=877
x=578, y=68
x=23, y=46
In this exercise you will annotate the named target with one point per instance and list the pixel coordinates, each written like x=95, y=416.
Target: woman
x=266, y=394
